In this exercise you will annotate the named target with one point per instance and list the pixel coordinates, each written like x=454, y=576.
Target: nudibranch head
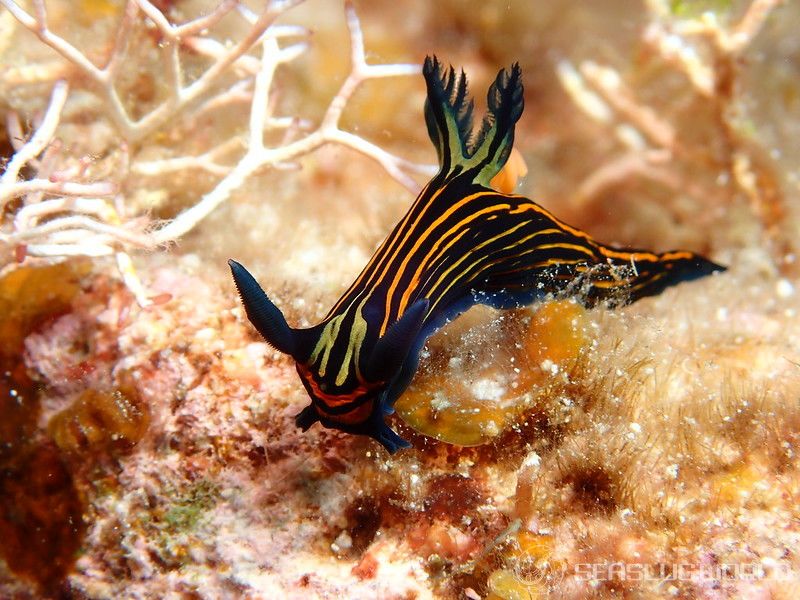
x=347, y=377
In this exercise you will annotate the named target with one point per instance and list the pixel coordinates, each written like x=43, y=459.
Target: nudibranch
x=461, y=243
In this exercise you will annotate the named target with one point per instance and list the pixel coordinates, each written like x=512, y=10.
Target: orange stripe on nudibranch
x=628, y=256
x=421, y=237
x=377, y=259
x=334, y=400
x=359, y=414
x=412, y=286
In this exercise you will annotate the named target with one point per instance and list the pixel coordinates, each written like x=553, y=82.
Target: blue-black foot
x=389, y=439
x=306, y=418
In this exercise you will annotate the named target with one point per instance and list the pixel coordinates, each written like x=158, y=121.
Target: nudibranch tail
x=647, y=274
x=461, y=243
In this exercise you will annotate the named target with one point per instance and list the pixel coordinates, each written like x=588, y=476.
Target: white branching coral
x=60, y=212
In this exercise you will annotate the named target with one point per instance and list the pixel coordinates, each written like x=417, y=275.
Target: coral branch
x=63, y=215
x=91, y=226
x=103, y=79
x=613, y=89
x=206, y=161
x=708, y=54
x=37, y=143
x=749, y=26
x=258, y=155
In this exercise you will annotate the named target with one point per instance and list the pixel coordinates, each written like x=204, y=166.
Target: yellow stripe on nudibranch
x=358, y=331
x=420, y=238
x=325, y=343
